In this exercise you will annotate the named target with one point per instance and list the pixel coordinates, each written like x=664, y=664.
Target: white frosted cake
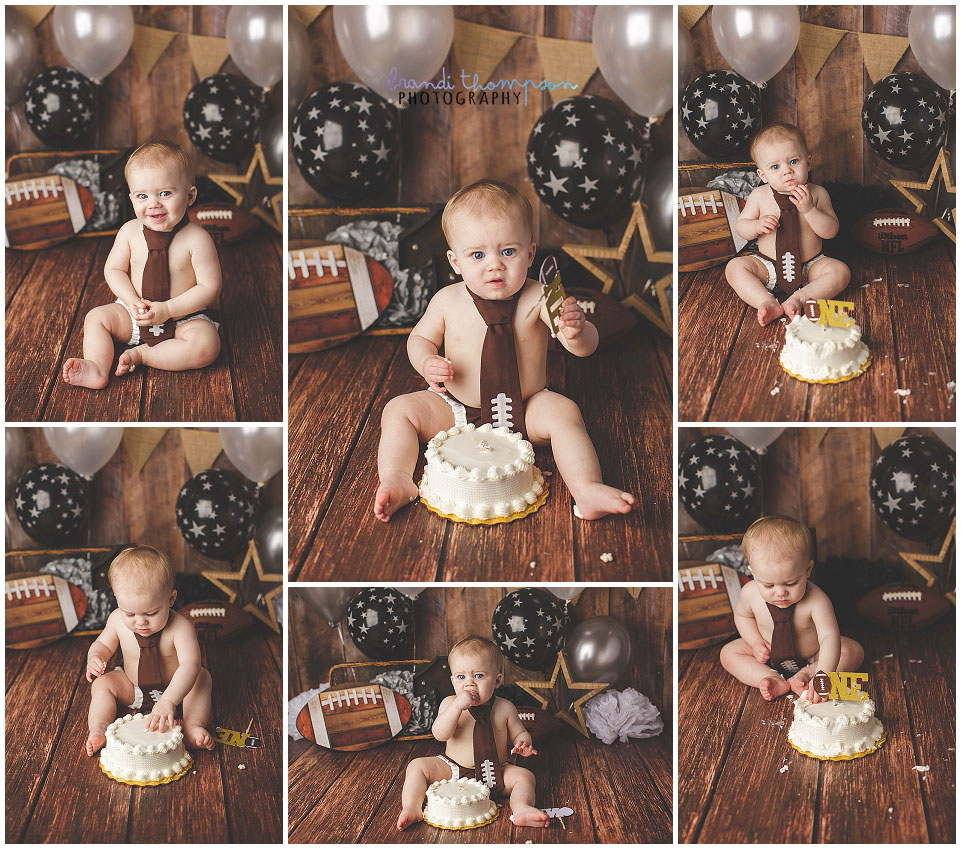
x=133, y=755
x=820, y=353
x=459, y=803
x=481, y=475
x=836, y=729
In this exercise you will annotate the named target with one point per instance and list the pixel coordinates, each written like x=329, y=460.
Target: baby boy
x=161, y=656
x=489, y=228
x=473, y=662
x=786, y=214
x=787, y=625
x=160, y=308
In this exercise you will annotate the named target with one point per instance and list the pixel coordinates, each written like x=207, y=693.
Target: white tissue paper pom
x=617, y=715
x=294, y=707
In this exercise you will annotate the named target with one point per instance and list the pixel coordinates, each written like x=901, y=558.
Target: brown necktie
x=487, y=767
x=784, y=656
x=501, y=402
x=150, y=674
x=787, y=246
x=156, y=280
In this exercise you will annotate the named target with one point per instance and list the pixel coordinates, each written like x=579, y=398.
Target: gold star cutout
x=661, y=319
x=915, y=560
x=940, y=167
x=558, y=693
x=251, y=587
x=254, y=194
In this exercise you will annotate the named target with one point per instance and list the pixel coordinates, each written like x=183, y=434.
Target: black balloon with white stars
x=222, y=117
x=528, y=627
x=586, y=159
x=51, y=503
x=60, y=105
x=905, y=119
x=380, y=621
x=912, y=487
x=721, y=113
x=345, y=141
x=215, y=512
x=718, y=481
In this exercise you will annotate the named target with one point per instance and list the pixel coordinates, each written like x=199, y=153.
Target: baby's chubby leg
x=407, y=421
x=195, y=344
x=102, y=326
x=519, y=783
x=737, y=657
x=550, y=417
x=421, y=773
x=826, y=278
x=105, y=692
x=747, y=276
x=197, y=713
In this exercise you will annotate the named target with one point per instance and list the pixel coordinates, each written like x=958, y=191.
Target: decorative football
x=539, y=723
x=334, y=293
x=821, y=684
x=705, y=228
x=612, y=319
x=44, y=211
x=353, y=717
x=217, y=621
x=225, y=222
x=707, y=596
x=903, y=606
x=893, y=231
x=40, y=609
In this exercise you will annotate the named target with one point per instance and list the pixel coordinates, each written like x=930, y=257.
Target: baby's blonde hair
x=488, y=196
x=774, y=131
x=782, y=536
x=479, y=646
x=160, y=152
x=141, y=567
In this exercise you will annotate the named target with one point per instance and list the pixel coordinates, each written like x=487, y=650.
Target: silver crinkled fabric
x=738, y=183
x=77, y=570
x=618, y=715
x=730, y=555
x=423, y=709
x=106, y=206
x=413, y=287
x=294, y=707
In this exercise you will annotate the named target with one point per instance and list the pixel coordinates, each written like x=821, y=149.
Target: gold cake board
x=180, y=774
x=881, y=741
x=862, y=370
x=497, y=809
x=498, y=520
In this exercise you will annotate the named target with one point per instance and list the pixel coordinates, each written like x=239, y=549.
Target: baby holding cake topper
x=787, y=624
x=789, y=217
x=165, y=273
x=477, y=727
x=489, y=228
x=161, y=655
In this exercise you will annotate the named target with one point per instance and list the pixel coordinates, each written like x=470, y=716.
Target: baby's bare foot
x=526, y=815
x=408, y=816
x=129, y=360
x=792, y=306
x=392, y=495
x=87, y=373
x=773, y=687
x=598, y=499
x=766, y=313
x=94, y=742
x=197, y=737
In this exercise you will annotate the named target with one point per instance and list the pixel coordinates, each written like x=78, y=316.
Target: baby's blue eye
x=794, y=161
x=508, y=251
x=479, y=675
x=166, y=194
x=477, y=255
x=141, y=196
x=775, y=167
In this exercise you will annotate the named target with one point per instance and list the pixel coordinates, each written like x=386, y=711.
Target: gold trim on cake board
x=880, y=742
x=862, y=370
x=180, y=774
x=497, y=520
x=497, y=810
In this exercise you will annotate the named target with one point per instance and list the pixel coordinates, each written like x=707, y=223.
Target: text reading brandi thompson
x=471, y=91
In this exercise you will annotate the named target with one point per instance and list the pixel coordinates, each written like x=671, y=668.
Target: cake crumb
x=912, y=660
x=922, y=768
x=904, y=285
x=890, y=655
x=902, y=392
x=776, y=389
x=607, y=557
x=531, y=565
x=241, y=766
x=783, y=768
x=876, y=280
x=890, y=810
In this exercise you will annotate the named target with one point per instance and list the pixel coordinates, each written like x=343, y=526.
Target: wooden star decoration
x=256, y=589
x=254, y=193
x=662, y=318
x=940, y=174
x=634, y=591
x=916, y=561
x=558, y=694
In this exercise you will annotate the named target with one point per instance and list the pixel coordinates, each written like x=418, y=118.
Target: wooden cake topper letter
x=834, y=313
x=840, y=685
x=241, y=739
x=552, y=291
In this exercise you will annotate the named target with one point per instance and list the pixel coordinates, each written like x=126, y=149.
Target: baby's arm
x=750, y=223
x=206, y=266
x=519, y=736
x=424, y=342
x=102, y=649
x=116, y=269
x=746, y=625
x=188, y=668
x=814, y=203
x=448, y=715
x=829, y=635
x=577, y=334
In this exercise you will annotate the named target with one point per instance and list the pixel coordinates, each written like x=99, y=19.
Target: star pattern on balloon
x=716, y=480
x=527, y=624
x=940, y=195
x=253, y=590
x=251, y=190
x=380, y=621
x=60, y=105
x=720, y=112
x=561, y=696
x=919, y=562
x=50, y=501
x=221, y=114
x=903, y=118
x=199, y=509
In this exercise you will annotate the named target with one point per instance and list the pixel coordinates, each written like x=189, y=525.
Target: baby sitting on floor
x=161, y=655
x=787, y=625
x=164, y=271
x=472, y=709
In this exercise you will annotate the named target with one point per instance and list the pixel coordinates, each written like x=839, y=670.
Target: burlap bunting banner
x=881, y=53
x=307, y=14
x=148, y=44
x=570, y=61
x=207, y=53
x=884, y=436
x=818, y=433
x=690, y=15
x=815, y=44
x=139, y=443
x=201, y=448
x=34, y=14
x=478, y=49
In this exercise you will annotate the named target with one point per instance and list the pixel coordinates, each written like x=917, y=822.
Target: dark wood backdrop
x=827, y=108
x=444, y=615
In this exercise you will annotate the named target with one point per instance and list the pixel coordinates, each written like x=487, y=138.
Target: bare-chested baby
x=781, y=658
x=473, y=663
x=489, y=229
x=156, y=643
x=160, y=176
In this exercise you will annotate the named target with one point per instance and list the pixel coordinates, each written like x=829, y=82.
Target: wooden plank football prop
x=217, y=621
x=44, y=210
x=226, y=223
x=334, y=294
x=705, y=228
x=707, y=596
x=352, y=717
x=40, y=609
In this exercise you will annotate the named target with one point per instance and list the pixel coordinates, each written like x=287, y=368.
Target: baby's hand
x=524, y=749
x=767, y=224
x=437, y=370
x=571, y=318
x=162, y=716
x=95, y=667
x=152, y=312
x=762, y=653
x=801, y=198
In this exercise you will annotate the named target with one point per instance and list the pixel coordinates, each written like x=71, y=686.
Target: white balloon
x=566, y=593
x=685, y=56
x=93, y=39
x=20, y=52
x=946, y=434
x=16, y=452
x=299, y=61
x=85, y=449
x=757, y=438
x=757, y=41
x=258, y=452
x=932, y=33
x=255, y=39
x=412, y=592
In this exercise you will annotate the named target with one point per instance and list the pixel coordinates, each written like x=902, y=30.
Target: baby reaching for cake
x=493, y=329
x=787, y=624
x=478, y=727
x=161, y=655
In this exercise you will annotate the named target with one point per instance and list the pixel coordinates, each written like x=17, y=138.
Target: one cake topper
x=552, y=292
x=828, y=312
x=241, y=739
x=840, y=685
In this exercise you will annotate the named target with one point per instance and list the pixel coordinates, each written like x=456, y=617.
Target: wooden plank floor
x=56, y=794
x=49, y=292
x=619, y=794
x=728, y=364
x=732, y=743
x=336, y=400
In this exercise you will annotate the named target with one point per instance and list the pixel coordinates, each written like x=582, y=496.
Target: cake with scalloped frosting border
x=821, y=353
x=459, y=803
x=835, y=730
x=133, y=755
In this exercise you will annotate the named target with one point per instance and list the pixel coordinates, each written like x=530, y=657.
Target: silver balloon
x=410, y=590
x=634, y=48
x=258, y=452
x=598, y=649
x=931, y=31
x=756, y=438
x=93, y=39
x=685, y=57
x=269, y=536
x=272, y=141
x=15, y=453
x=255, y=39
x=409, y=42
x=659, y=200
x=298, y=61
x=565, y=593
x=757, y=41
x=330, y=602
x=85, y=449
x=20, y=52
